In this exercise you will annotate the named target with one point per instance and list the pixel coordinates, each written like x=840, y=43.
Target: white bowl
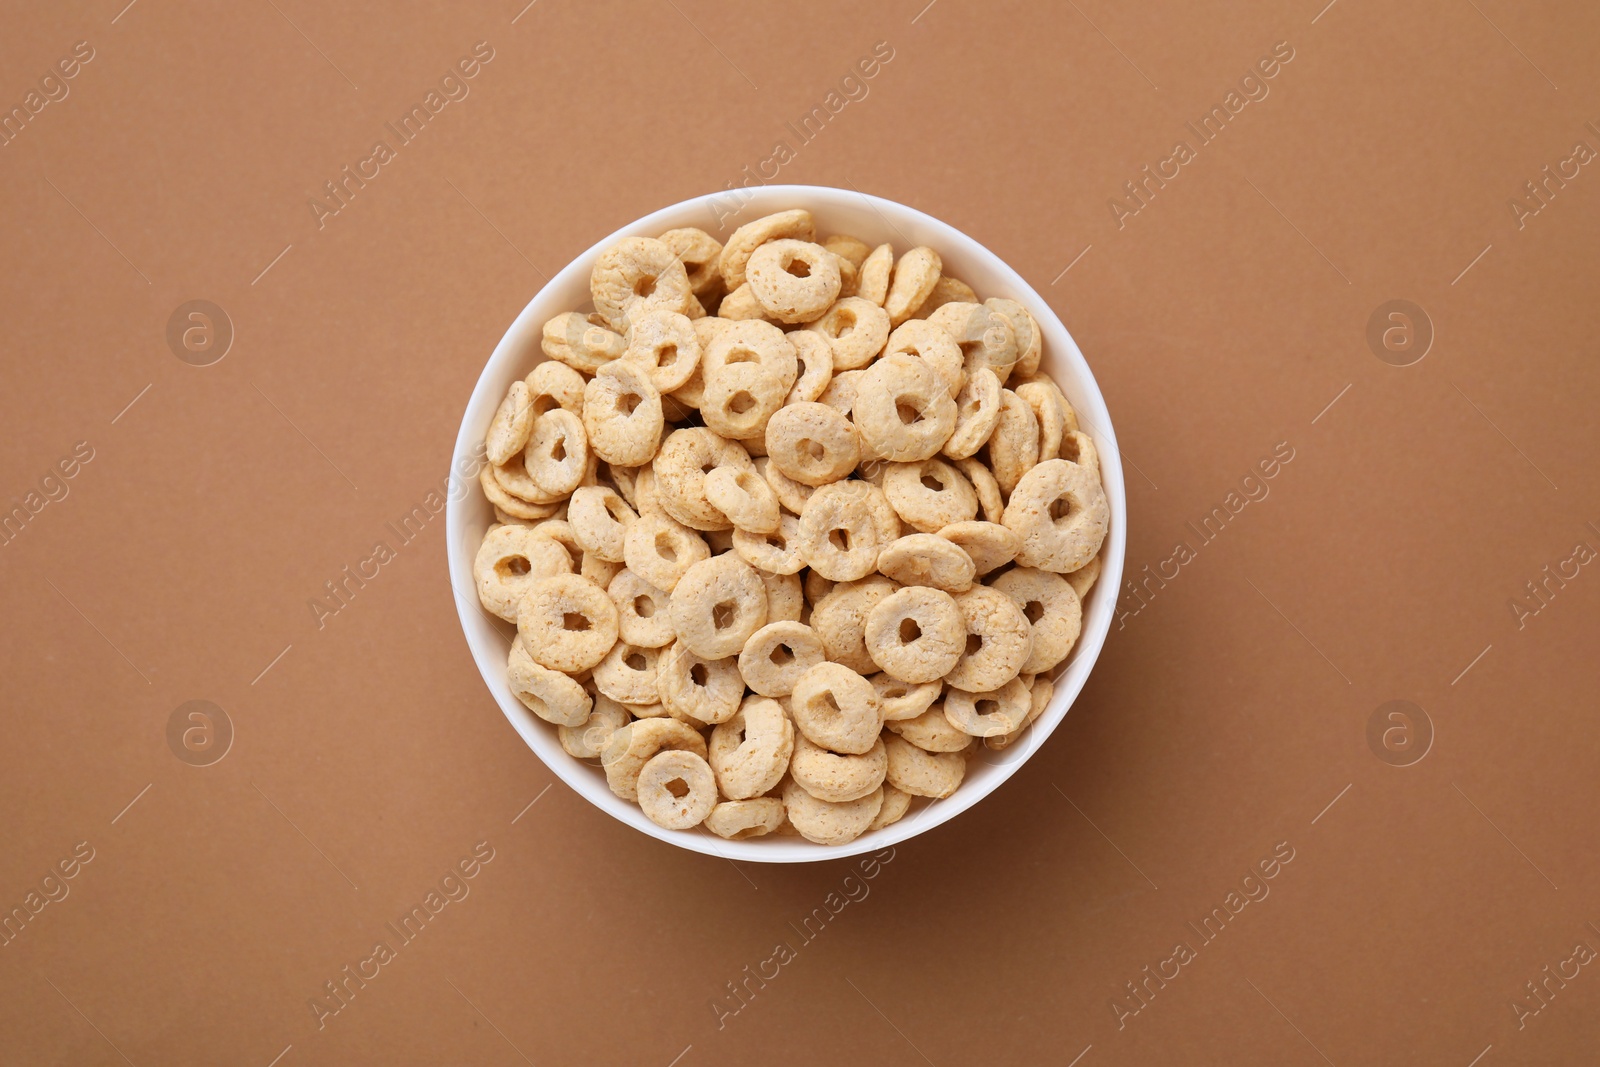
x=874, y=220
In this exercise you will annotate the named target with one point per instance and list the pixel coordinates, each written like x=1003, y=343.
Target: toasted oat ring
x=1039, y=692
x=856, y=331
x=750, y=751
x=915, y=275
x=752, y=341
x=917, y=337
x=553, y=384
x=512, y=506
x=948, y=291
x=622, y=413
x=512, y=422
x=1083, y=579
x=824, y=823
x=916, y=633
x=680, y=468
x=547, y=693
x=837, y=708
x=701, y=256
x=557, y=456
x=1049, y=407
x=999, y=640
x=990, y=502
x=633, y=746
x=791, y=494
x=664, y=344
x=1052, y=607
x=600, y=519
x=988, y=544
x=839, y=534
x=902, y=700
x=717, y=605
x=840, y=619
x=738, y=820
x=516, y=480
x=739, y=399
x=796, y=223
x=635, y=276
x=590, y=737
x=567, y=623
x=643, y=613
x=872, y=278
x=775, y=657
x=991, y=714
x=977, y=411
x=794, y=281
x=927, y=559
x=776, y=553
x=1060, y=512
x=984, y=335
x=924, y=774
x=707, y=689
x=1029, y=340
x=1078, y=447
x=660, y=551
x=837, y=778
x=560, y=532
x=741, y=305
x=628, y=674
x=1014, y=445
x=815, y=359
x=599, y=571
x=677, y=789
x=846, y=247
x=745, y=497
x=509, y=562
x=580, y=344
x=812, y=443
x=931, y=731
x=785, y=599
x=895, y=805
x=849, y=275
x=930, y=494
x=903, y=409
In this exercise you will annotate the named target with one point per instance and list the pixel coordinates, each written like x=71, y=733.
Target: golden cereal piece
x=856, y=330
x=815, y=357
x=1053, y=610
x=988, y=544
x=775, y=657
x=872, y=280
x=737, y=820
x=829, y=824
x=915, y=275
x=677, y=789
x=835, y=777
x=692, y=687
x=916, y=634
x=580, y=344
x=904, y=409
x=661, y=551
x=631, y=747
x=795, y=223
x=852, y=249
x=635, y=276
x=750, y=752
x=991, y=714
x=643, y=615
x=839, y=616
x=547, y=693
x=567, y=623
x=557, y=456
x=902, y=700
x=917, y=337
x=841, y=532
x=924, y=774
x=794, y=281
x=504, y=503
x=931, y=731
x=977, y=412
x=745, y=497
x=929, y=495
x=667, y=346
x=948, y=291
x=509, y=562
x=1030, y=342
x=999, y=641
x=622, y=414
x=512, y=422
x=812, y=443
x=928, y=559
x=716, y=606
x=600, y=519
x=1083, y=579
x=985, y=336
x=773, y=555
x=701, y=256
x=1061, y=514
x=837, y=708
x=1014, y=445
x=894, y=807
x=590, y=737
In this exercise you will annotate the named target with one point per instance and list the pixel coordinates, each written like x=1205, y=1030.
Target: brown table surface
x=1433, y=897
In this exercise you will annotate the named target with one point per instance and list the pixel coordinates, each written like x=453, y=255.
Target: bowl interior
x=874, y=220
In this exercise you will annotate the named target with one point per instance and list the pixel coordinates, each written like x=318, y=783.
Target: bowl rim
x=1067, y=362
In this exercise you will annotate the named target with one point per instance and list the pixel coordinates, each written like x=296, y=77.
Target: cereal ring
x=985, y=336
x=509, y=562
x=902, y=700
x=775, y=553
x=999, y=641
x=923, y=774
x=836, y=778
x=948, y=290
x=567, y=623
x=645, y=500
x=796, y=223
x=737, y=820
x=927, y=559
x=635, y=276
x=775, y=657
x=513, y=507
x=622, y=413
x=988, y=544
x=752, y=341
x=600, y=521
x=993, y=714
x=680, y=469
x=700, y=254
x=903, y=409
x=677, y=789
x=829, y=824
x=839, y=532
x=561, y=533
x=977, y=411
x=557, y=455
x=739, y=399
x=509, y=429
x=856, y=331
x=552, y=384
x=628, y=674
x=1061, y=514
x=915, y=275
x=750, y=752
x=547, y=693
x=1039, y=693
x=849, y=275
x=837, y=708
x=872, y=278
x=932, y=731
x=1029, y=340
x=665, y=345
x=1078, y=447
x=812, y=443
x=840, y=395
x=597, y=570
x=791, y=494
x=635, y=744
x=582, y=345
x=661, y=551
x=785, y=600
x=717, y=605
x=852, y=249
x=793, y=281
x=643, y=615
x=817, y=587
x=707, y=689
x=840, y=618
x=1082, y=579
x=1049, y=407
x=590, y=737
x=929, y=495
x=815, y=357
x=894, y=807
x=916, y=634
x=985, y=486
x=741, y=305
x=927, y=342
x=514, y=478
x=1013, y=449
x=745, y=497
x=1052, y=607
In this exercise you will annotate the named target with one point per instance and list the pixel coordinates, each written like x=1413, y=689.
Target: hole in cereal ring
x=740, y=354
x=664, y=547
x=698, y=674
x=847, y=322
x=614, y=508
x=987, y=707
x=908, y=412
x=909, y=631
x=799, y=268
x=543, y=404
x=723, y=614
x=678, y=788
x=839, y=538
x=749, y=831
x=667, y=353
x=782, y=655
x=558, y=451
x=974, y=643
x=575, y=621
x=810, y=448
x=516, y=565
x=895, y=690
x=969, y=349
x=826, y=704
x=1069, y=449
x=627, y=402
x=741, y=402
x=645, y=285
x=1034, y=611
x=931, y=480
x=1060, y=508
x=644, y=606
x=635, y=661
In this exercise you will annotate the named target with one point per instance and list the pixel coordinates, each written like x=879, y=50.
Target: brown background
x=1224, y=717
